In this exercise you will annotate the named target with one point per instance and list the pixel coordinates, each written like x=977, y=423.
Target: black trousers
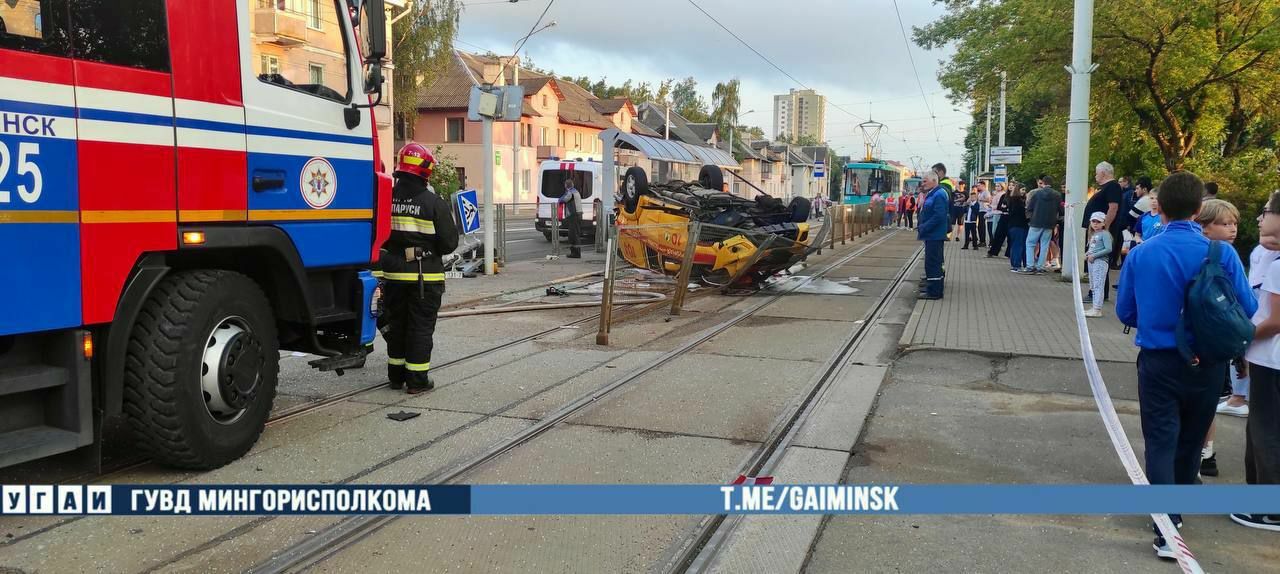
x=1177, y=404
x=1113, y=259
x=971, y=234
x=910, y=217
x=933, y=276
x=1262, y=432
x=982, y=228
x=998, y=236
x=573, y=220
x=412, y=314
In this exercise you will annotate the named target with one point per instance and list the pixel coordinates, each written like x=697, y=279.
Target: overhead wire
x=902, y=27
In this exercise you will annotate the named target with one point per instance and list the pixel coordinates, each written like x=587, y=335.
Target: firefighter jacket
x=422, y=232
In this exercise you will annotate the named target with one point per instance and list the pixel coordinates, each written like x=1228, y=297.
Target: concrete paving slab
x=837, y=419
x=241, y=553
x=822, y=307
x=943, y=368
x=931, y=426
x=554, y=398
x=510, y=325
x=565, y=455
x=137, y=543
x=494, y=389
x=1067, y=376
x=869, y=260
x=779, y=338
x=863, y=271
x=706, y=395
x=779, y=544
x=655, y=332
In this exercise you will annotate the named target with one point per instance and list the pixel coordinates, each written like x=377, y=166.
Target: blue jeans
x=933, y=279
x=1017, y=247
x=1038, y=236
x=1177, y=404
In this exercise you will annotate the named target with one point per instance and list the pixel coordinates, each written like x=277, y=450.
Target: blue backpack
x=1222, y=329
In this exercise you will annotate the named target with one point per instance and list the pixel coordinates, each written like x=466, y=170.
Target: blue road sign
x=468, y=213
x=818, y=167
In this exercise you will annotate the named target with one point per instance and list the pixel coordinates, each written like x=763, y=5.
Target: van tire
x=711, y=177
x=164, y=401
x=634, y=184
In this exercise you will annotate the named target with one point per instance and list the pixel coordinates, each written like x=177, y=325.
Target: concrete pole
x=1078, y=129
x=515, y=137
x=986, y=153
x=489, y=212
x=1004, y=80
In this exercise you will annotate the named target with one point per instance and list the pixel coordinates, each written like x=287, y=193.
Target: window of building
x=455, y=132
x=544, y=100
x=577, y=140
x=308, y=57
x=23, y=27
x=134, y=36
x=543, y=139
x=269, y=65
x=524, y=180
x=560, y=138
x=526, y=135
x=313, y=15
x=462, y=176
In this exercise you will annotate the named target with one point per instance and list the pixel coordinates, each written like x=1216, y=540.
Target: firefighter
x=422, y=232
x=573, y=216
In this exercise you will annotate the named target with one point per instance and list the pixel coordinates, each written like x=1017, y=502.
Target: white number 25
x=26, y=150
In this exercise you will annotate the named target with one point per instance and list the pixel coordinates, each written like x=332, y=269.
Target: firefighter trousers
x=412, y=317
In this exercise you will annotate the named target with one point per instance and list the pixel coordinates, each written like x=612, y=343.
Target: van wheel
x=200, y=374
x=634, y=184
x=711, y=177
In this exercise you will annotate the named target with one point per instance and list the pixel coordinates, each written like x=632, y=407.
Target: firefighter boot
x=415, y=388
x=575, y=252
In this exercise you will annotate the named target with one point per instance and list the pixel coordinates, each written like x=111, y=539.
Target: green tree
x=725, y=104
x=686, y=101
x=422, y=44
x=444, y=177
x=663, y=93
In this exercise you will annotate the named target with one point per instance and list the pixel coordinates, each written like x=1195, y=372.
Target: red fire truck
x=187, y=187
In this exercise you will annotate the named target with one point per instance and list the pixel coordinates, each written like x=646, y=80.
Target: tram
x=866, y=178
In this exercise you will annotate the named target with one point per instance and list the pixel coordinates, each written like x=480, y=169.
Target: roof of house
x=704, y=130
x=798, y=157
x=818, y=153
x=640, y=128
x=578, y=106
x=654, y=116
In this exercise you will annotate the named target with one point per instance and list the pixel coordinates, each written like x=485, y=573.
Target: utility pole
x=986, y=154
x=486, y=141
x=515, y=136
x=1078, y=126
x=1004, y=80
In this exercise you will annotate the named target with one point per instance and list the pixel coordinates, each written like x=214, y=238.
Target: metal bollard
x=555, y=231
x=686, y=267
x=600, y=226
x=500, y=247
x=606, y=297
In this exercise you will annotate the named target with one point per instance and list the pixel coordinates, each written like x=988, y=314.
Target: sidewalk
x=987, y=309
x=988, y=388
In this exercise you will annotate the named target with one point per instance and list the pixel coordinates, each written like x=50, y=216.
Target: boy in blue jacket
x=1177, y=400
x=932, y=230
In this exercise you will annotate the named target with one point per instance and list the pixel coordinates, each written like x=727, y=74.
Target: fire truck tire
x=711, y=177
x=201, y=331
x=634, y=184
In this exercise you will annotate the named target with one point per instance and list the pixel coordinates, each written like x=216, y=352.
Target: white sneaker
x=1092, y=313
x=1240, y=411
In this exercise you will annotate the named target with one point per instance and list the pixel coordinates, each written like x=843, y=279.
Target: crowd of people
x=1209, y=343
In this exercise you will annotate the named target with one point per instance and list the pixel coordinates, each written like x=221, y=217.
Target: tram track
x=699, y=552
x=351, y=530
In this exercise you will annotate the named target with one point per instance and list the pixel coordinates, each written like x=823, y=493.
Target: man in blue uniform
x=932, y=230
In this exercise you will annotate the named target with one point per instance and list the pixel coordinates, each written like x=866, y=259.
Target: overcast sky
x=648, y=40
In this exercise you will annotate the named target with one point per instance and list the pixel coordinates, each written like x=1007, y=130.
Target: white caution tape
x=1186, y=560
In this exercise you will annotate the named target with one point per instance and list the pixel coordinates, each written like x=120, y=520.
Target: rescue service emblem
x=318, y=182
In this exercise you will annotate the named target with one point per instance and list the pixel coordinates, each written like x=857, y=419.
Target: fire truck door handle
x=268, y=180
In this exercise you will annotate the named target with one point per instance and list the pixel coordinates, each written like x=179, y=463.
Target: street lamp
x=515, y=128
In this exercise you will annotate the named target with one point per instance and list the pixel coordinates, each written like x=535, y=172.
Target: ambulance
x=586, y=176
x=187, y=188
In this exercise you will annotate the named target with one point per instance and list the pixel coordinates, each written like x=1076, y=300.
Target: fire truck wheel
x=200, y=375
x=711, y=177
x=634, y=184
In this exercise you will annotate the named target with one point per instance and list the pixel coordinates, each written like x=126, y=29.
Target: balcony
x=550, y=151
x=280, y=27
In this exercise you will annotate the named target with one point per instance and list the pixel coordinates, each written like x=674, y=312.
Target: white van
x=551, y=177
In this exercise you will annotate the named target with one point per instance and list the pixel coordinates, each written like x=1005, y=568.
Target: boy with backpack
x=1192, y=319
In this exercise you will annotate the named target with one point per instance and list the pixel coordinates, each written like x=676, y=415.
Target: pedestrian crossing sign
x=468, y=213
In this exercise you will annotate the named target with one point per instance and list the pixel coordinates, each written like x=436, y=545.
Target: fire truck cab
x=187, y=188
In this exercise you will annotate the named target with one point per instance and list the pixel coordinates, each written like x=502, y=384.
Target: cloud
x=851, y=51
